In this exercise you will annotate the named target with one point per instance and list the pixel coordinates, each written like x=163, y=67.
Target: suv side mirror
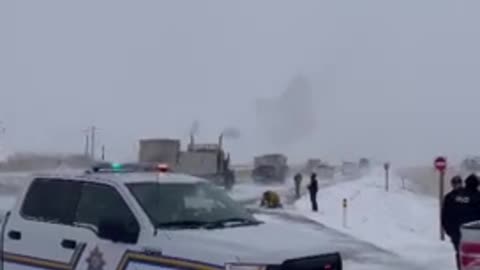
x=117, y=231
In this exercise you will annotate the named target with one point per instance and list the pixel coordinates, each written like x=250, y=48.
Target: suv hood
x=265, y=243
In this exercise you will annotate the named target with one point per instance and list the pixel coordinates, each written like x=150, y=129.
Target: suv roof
x=124, y=177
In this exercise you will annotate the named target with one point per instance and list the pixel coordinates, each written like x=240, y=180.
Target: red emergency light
x=163, y=167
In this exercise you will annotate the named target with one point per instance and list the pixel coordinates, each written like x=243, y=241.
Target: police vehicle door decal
x=133, y=260
x=117, y=257
x=17, y=261
x=95, y=261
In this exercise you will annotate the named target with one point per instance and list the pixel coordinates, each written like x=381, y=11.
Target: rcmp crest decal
x=95, y=260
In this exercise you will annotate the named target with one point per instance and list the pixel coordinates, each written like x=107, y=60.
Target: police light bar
x=129, y=167
x=163, y=167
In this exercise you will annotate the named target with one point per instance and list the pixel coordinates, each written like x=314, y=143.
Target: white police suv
x=128, y=217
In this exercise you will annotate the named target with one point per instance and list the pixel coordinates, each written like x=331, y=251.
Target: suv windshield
x=189, y=205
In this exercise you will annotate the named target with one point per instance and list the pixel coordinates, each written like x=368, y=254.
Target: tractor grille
x=322, y=262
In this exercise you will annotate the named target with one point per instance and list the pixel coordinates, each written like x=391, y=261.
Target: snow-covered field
x=398, y=220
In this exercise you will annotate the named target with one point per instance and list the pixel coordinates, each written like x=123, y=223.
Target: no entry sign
x=386, y=166
x=440, y=164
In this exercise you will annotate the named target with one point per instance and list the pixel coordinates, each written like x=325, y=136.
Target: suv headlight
x=244, y=266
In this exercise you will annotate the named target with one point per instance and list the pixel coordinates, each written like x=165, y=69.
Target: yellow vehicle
x=270, y=199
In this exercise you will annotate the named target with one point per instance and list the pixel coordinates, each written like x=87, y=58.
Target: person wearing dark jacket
x=461, y=208
x=448, y=214
x=313, y=189
x=448, y=201
x=298, y=183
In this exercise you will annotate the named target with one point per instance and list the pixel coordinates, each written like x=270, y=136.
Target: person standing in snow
x=298, y=182
x=448, y=215
x=313, y=189
x=462, y=208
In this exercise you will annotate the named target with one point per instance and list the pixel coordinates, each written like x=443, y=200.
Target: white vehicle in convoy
x=115, y=219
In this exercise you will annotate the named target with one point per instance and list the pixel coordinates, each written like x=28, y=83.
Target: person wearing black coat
x=313, y=190
x=449, y=224
x=298, y=183
x=461, y=208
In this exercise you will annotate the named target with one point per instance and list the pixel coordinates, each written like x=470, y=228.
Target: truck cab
x=109, y=219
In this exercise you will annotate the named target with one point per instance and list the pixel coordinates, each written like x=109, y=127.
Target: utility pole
x=440, y=164
x=103, y=152
x=440, y=201
x=386, y=166
x=92, y=142
x=87, y=144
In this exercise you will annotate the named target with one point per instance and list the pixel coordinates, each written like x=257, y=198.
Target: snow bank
x=398, y=220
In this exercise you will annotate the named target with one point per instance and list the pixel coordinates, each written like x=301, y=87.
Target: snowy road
x=247, y=192
x=356, y=254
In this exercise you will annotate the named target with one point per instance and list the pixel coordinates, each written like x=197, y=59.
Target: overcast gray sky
x=392, y=80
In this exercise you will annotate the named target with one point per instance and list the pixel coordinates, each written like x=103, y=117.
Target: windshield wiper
x=232, y=222
x=183, y=224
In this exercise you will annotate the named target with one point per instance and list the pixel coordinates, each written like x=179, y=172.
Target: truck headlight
x=244, y=266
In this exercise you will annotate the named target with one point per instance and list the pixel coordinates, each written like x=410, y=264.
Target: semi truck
x=206, y=160
x=270, y=168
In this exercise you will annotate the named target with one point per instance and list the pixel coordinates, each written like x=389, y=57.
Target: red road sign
x=440, y=164
x=386, y=166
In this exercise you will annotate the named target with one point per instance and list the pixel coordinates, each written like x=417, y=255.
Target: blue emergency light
x=129, y=167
